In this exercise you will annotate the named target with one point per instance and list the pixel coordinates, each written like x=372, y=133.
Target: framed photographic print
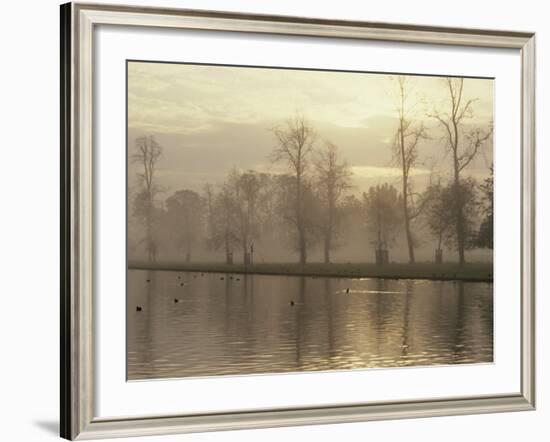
x=273, y=220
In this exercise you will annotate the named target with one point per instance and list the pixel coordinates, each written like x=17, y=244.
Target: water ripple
x=202, y=325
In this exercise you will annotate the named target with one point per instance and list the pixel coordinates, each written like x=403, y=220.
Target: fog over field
x=306, y=166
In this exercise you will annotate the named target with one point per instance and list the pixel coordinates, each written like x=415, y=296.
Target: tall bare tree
x=382, y=207
x=439, y=214
x=209, y=199
x=185, y=211
x=147, y=154
x=295, y=143
x=333, y=178
x=222, y=222
x=269, y=217
x=247, y=187
x=463, y=143
x=286, y=212
x=485, y=235
x=407, y=137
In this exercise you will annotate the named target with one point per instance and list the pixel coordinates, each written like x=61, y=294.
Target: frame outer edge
x=293, y=25
x=330, y=415
x=68, y=338
x=528, y=367
x=84, y=206
x=65, y=244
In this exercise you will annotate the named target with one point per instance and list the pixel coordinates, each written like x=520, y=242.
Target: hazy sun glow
x=385, y=172
x=210, y=119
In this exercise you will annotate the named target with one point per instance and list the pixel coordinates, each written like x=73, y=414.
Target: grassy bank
x=448, y=271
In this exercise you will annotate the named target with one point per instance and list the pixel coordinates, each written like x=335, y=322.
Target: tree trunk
x=409, y=242
x=408, y=234
x=303, y=250
x=459, y=215
x=245, y=253
x=299, y=218
x=405, y=194
x=378, y=256
x=327, y=249
x=228, y=252
x=458, y=199
x=151, y=249
x=188, y=254
x=328, y=233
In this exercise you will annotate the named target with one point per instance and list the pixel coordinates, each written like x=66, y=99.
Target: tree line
x=311, y=203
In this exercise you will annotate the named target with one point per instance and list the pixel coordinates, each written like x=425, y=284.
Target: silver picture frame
x=78, y=21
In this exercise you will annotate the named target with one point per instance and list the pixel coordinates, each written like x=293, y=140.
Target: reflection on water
x=194, y=324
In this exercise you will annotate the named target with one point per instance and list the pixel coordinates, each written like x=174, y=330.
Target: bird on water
x=291, y=302
x=138, y=308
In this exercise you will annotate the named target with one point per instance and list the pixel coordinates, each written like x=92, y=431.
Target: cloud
x=385, y=172
x=210, y=119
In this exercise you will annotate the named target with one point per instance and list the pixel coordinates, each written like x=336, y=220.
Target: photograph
x=284, y=220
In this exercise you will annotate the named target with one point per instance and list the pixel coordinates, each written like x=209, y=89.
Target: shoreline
x=470, y=272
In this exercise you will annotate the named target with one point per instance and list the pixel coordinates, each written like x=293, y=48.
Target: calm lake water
x=237, y=324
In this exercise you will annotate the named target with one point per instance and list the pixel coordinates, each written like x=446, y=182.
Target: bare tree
x=147, y=154
x=247, y=187
x=463, y=145
x=286, y=211
x=185, y=212
x=382, y=207
x=439, y=215
x=267, y=212
x=485, y=235
x=222, y=222
x=209, y=199
x=295, y=143
x=333, y=179
x=407, y=137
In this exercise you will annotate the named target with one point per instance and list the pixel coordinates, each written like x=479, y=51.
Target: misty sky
x=210, y=119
